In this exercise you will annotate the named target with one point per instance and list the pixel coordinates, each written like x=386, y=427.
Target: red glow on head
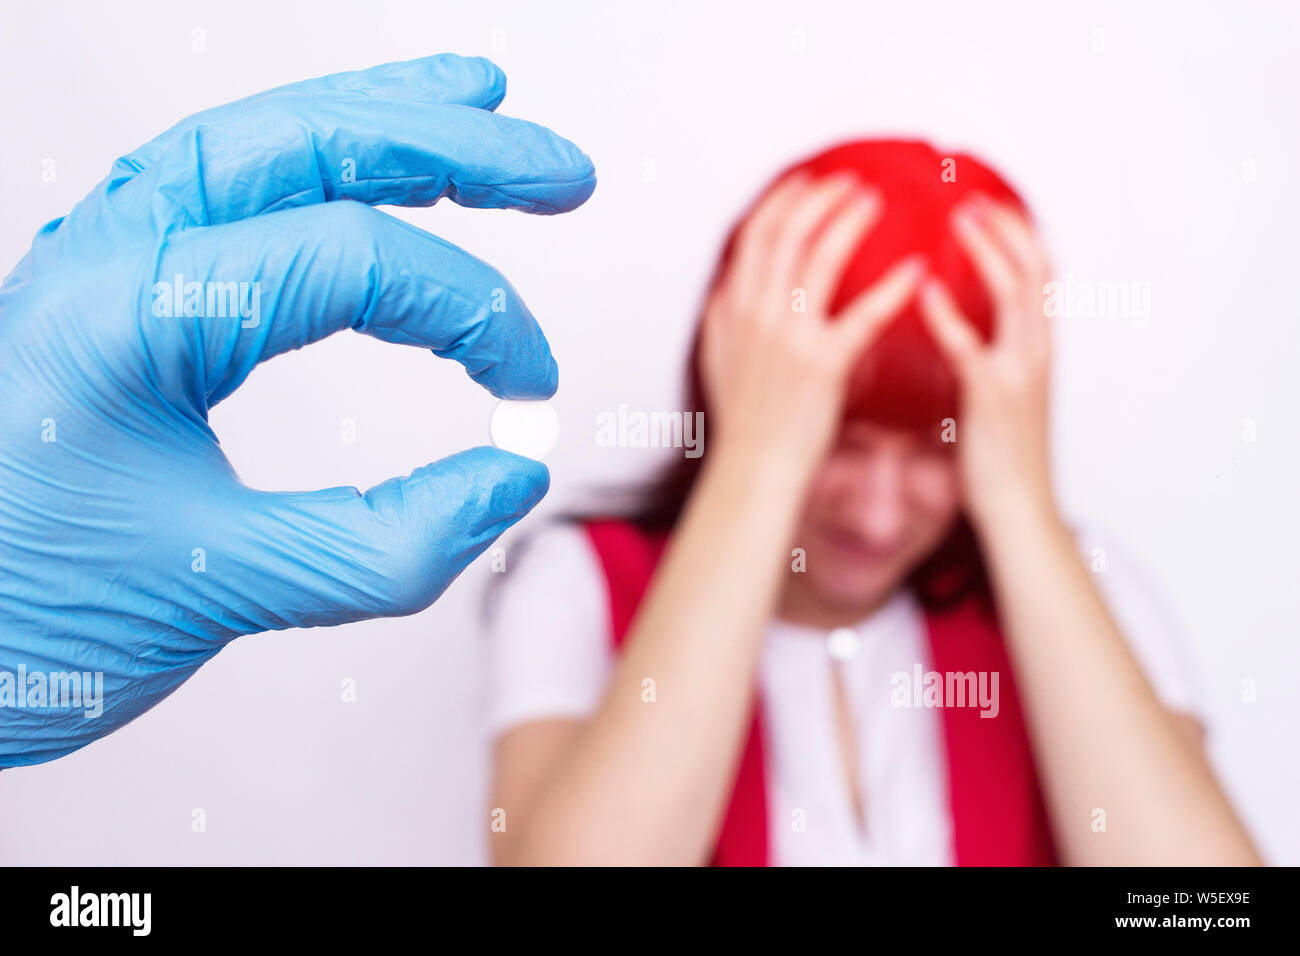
x=902, y=381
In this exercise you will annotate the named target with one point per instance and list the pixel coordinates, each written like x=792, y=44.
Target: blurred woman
x=858, y=629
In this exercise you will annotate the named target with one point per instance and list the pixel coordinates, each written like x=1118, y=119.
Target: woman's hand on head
x=1002, y=432
x=774, y=363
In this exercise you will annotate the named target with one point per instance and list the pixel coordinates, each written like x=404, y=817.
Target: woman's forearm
x=647, y=777
x=1103, y=741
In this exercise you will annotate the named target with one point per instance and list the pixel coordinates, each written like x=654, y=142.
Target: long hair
x=901, y=381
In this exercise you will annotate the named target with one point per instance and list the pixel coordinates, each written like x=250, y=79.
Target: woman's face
x=878, y=505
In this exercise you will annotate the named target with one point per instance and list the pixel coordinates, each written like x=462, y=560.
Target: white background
x=1130, y=128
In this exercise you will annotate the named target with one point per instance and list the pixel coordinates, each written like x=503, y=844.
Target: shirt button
x=843, y=643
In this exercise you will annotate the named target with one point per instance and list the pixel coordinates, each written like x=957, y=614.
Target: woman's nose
x=877, y=508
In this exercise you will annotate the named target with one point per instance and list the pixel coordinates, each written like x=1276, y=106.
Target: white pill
x=530, y=429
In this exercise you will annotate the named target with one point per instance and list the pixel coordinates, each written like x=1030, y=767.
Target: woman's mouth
x=854, y=548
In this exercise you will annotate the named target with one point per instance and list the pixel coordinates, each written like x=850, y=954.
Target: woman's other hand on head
x=775, y=364
x=1002, y=429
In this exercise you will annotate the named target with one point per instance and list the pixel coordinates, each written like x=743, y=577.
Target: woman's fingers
x=874, y=307
x=1016, y=235
x=1020, y=319
x=951, y=331
x=1026, y=324
x=745, y=277
x=795, y=235
x=993, y=265
x=830, y=253
x=773, y=247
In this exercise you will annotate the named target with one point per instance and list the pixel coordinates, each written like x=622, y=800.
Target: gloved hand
x=128, y=545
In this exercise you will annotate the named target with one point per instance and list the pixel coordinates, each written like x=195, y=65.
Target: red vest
x=997, y=807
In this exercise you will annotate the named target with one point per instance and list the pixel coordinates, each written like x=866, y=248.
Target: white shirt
x=550, y=654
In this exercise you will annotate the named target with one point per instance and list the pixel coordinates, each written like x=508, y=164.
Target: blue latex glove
x=128, y=545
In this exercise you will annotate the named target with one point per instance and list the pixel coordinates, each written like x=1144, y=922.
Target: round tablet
x=530, y=429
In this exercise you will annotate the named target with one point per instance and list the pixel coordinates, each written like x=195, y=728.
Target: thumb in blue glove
x=129, y=548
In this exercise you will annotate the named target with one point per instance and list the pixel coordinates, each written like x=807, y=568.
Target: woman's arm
x=1102, y=739
x=647, y=783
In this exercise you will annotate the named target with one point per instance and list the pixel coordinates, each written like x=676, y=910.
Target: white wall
x=1133, y=157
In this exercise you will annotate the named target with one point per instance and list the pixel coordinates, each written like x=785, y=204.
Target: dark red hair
x=902, y=380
